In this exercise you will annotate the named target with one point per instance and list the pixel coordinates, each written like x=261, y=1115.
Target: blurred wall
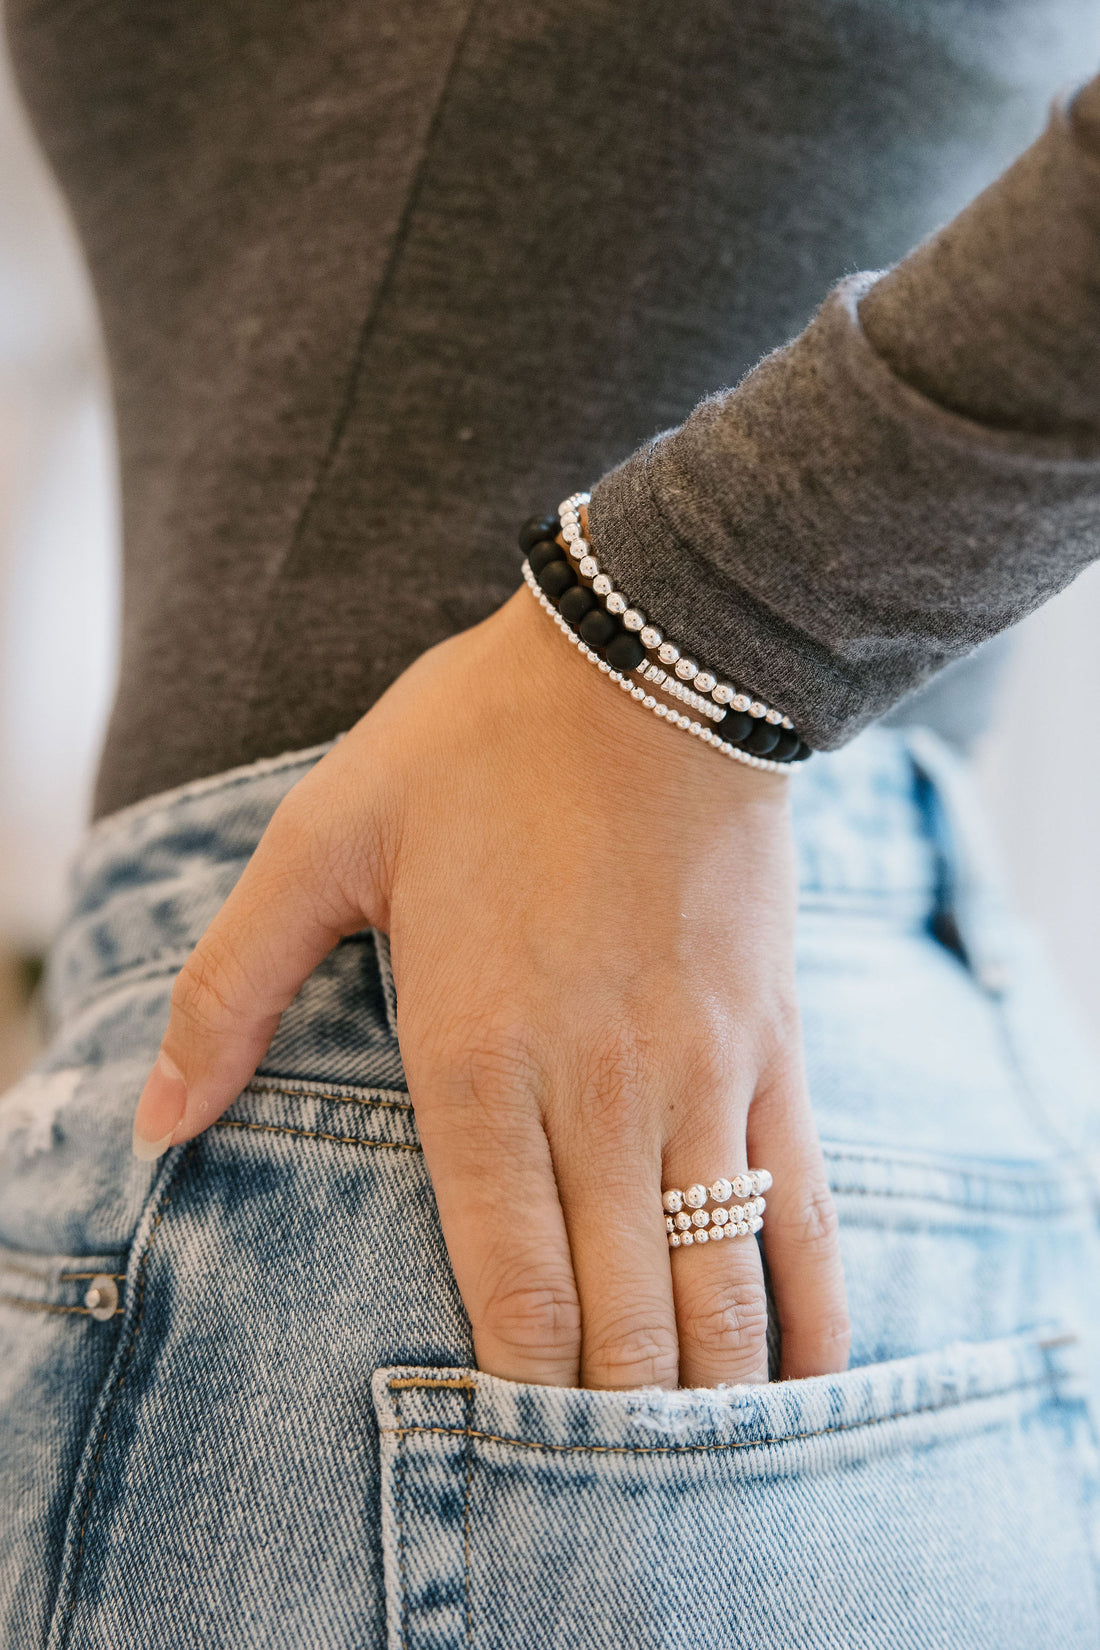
x=58, y=539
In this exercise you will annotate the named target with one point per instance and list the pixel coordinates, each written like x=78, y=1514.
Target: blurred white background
x=58, y=620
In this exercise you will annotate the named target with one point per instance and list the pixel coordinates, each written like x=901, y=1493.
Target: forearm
x=915, y=472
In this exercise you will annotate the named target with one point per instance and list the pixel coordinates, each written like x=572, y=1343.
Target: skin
x=591, y=919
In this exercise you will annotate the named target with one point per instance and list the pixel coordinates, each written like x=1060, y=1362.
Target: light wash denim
x=278, y=1438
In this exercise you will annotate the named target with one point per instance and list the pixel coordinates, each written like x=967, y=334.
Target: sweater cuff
x=827, y=537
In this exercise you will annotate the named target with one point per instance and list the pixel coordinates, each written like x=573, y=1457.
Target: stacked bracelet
x=617, y=637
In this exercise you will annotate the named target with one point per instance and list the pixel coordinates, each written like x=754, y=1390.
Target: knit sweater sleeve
x=914, y=473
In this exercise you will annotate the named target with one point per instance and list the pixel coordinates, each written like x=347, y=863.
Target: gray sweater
x=917, y=471
x=379, y=279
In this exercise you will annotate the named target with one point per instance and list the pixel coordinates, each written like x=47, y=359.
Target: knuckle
x=615, y=1075
x=812, y=1225
x=536, y=1318
x=835, y=1338
x=497, y=1062
x=640, y=1354
x=731, y=1323
x=202, y=995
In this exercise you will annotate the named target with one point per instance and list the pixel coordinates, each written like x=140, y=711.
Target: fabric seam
x=316, y=1134
x=89, y=1492
x=737, y=1444
x=24, y=1305
x=469, y=1404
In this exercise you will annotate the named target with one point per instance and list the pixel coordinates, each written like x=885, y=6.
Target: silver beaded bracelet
x=703, y=683
x=667, y=713
x=724, y=698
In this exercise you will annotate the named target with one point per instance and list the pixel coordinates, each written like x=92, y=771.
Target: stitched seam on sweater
x=744, y=1443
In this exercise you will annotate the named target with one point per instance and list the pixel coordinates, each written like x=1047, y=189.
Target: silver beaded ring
x=688, y=681
x=688, y=1222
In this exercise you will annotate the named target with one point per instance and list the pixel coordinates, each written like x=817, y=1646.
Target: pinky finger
x=801, y=1236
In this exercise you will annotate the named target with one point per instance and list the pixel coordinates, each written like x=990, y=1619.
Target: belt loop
x=971, y=893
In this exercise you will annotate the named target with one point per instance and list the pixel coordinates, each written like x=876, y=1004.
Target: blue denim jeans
x=238, y=1402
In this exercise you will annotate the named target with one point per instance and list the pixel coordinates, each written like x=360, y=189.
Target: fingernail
x=160, y=1110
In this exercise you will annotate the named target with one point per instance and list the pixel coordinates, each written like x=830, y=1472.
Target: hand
x=591, y=919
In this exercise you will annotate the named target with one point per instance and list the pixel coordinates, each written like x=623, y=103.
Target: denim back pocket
x=947, y=1499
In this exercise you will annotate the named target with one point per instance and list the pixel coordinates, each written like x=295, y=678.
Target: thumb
x=287, y=911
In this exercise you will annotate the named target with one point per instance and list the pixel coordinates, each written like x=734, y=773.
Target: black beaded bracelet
x=624, y=641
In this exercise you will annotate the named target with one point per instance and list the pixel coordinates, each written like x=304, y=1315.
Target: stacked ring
x=688, y=1222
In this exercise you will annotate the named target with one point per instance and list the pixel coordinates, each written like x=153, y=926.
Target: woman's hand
x=591, y=920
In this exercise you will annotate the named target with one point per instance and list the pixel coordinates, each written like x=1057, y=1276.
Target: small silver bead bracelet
x=667, y=713
x=684, y=679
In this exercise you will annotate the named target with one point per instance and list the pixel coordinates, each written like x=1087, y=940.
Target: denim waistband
x=869, y=821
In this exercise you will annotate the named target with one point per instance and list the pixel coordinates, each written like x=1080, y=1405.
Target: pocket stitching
x=742, y=1443
x=315, y=1134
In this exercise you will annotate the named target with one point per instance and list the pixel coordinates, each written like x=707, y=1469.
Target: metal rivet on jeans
x=101, y=1297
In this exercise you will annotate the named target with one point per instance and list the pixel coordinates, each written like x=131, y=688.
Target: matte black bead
x=734, y=726
x=556, y=578
x=788, y=744
x=535, y=528
x=576, y=603
x=597, y=628
x=762, y=740
x=542, y=554
x=625, y=652
x=802, y=752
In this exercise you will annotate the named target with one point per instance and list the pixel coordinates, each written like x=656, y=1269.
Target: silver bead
x=668, y=653
x=616, y=602
x=651, y=636
x=763, y=1180
x=695, y=1196
x=759, y=1205
x=670, y=1224
x=687, y=1239
x=568, y=504
x=601, y=584
x=741, y=701
x=774, y=717
x=700, y=1218
x=683, y=1221
x=686, y=669
x=788, y=724
x=702, y=1237
x=570, y=532
x=632, y=619
x=722, y=694
x=675, y=1240
x=721, y=1191
x=716, y=1233
x=704, y=681
x=742, y=1185
x=742, y=1228
x=639, y=694
x=579, y=548
x=649, y=701
x=757, y=708
x=589, y=567
x=756, y=1224
x=719, y=1217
